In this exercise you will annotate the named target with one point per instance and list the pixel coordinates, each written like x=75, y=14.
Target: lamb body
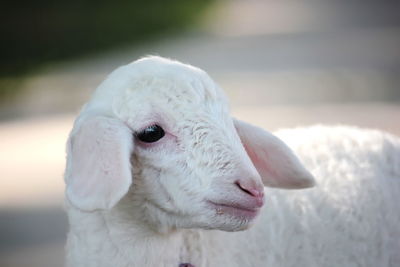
x=350, y=218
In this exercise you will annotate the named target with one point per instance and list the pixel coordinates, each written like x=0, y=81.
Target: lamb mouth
x=234, y=210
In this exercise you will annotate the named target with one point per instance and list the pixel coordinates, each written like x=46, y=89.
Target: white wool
x=158, y=217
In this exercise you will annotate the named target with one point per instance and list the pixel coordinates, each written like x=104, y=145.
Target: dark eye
x=151, y=134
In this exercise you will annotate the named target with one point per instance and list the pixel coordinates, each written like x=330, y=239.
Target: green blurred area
x=36, y=32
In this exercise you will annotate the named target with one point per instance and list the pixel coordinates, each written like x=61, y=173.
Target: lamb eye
x=151, y=134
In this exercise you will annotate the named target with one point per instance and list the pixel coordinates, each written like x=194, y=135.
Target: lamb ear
x=98, y=171
x=273, y=159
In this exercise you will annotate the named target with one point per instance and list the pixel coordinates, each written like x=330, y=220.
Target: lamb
x=159, y=174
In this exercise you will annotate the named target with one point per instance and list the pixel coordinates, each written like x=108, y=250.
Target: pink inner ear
x=258, y=161
x=275, y=162
x=99, y=171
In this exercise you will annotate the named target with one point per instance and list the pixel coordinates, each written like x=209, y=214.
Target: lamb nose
x=251, y=189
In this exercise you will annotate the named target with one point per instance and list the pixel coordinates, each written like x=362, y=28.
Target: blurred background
x=283, y=63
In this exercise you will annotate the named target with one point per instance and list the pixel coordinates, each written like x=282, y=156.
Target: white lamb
x=157, y=168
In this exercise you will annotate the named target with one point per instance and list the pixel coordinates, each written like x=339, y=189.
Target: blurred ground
x=282, y=63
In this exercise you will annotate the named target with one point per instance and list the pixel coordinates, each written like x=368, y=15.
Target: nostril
x=251, y=191
x=242, y=188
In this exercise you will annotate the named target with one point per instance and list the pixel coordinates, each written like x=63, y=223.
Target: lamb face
x=198, y=174
x=171, y=123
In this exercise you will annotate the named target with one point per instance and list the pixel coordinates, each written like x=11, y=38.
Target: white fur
x=150, y=209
